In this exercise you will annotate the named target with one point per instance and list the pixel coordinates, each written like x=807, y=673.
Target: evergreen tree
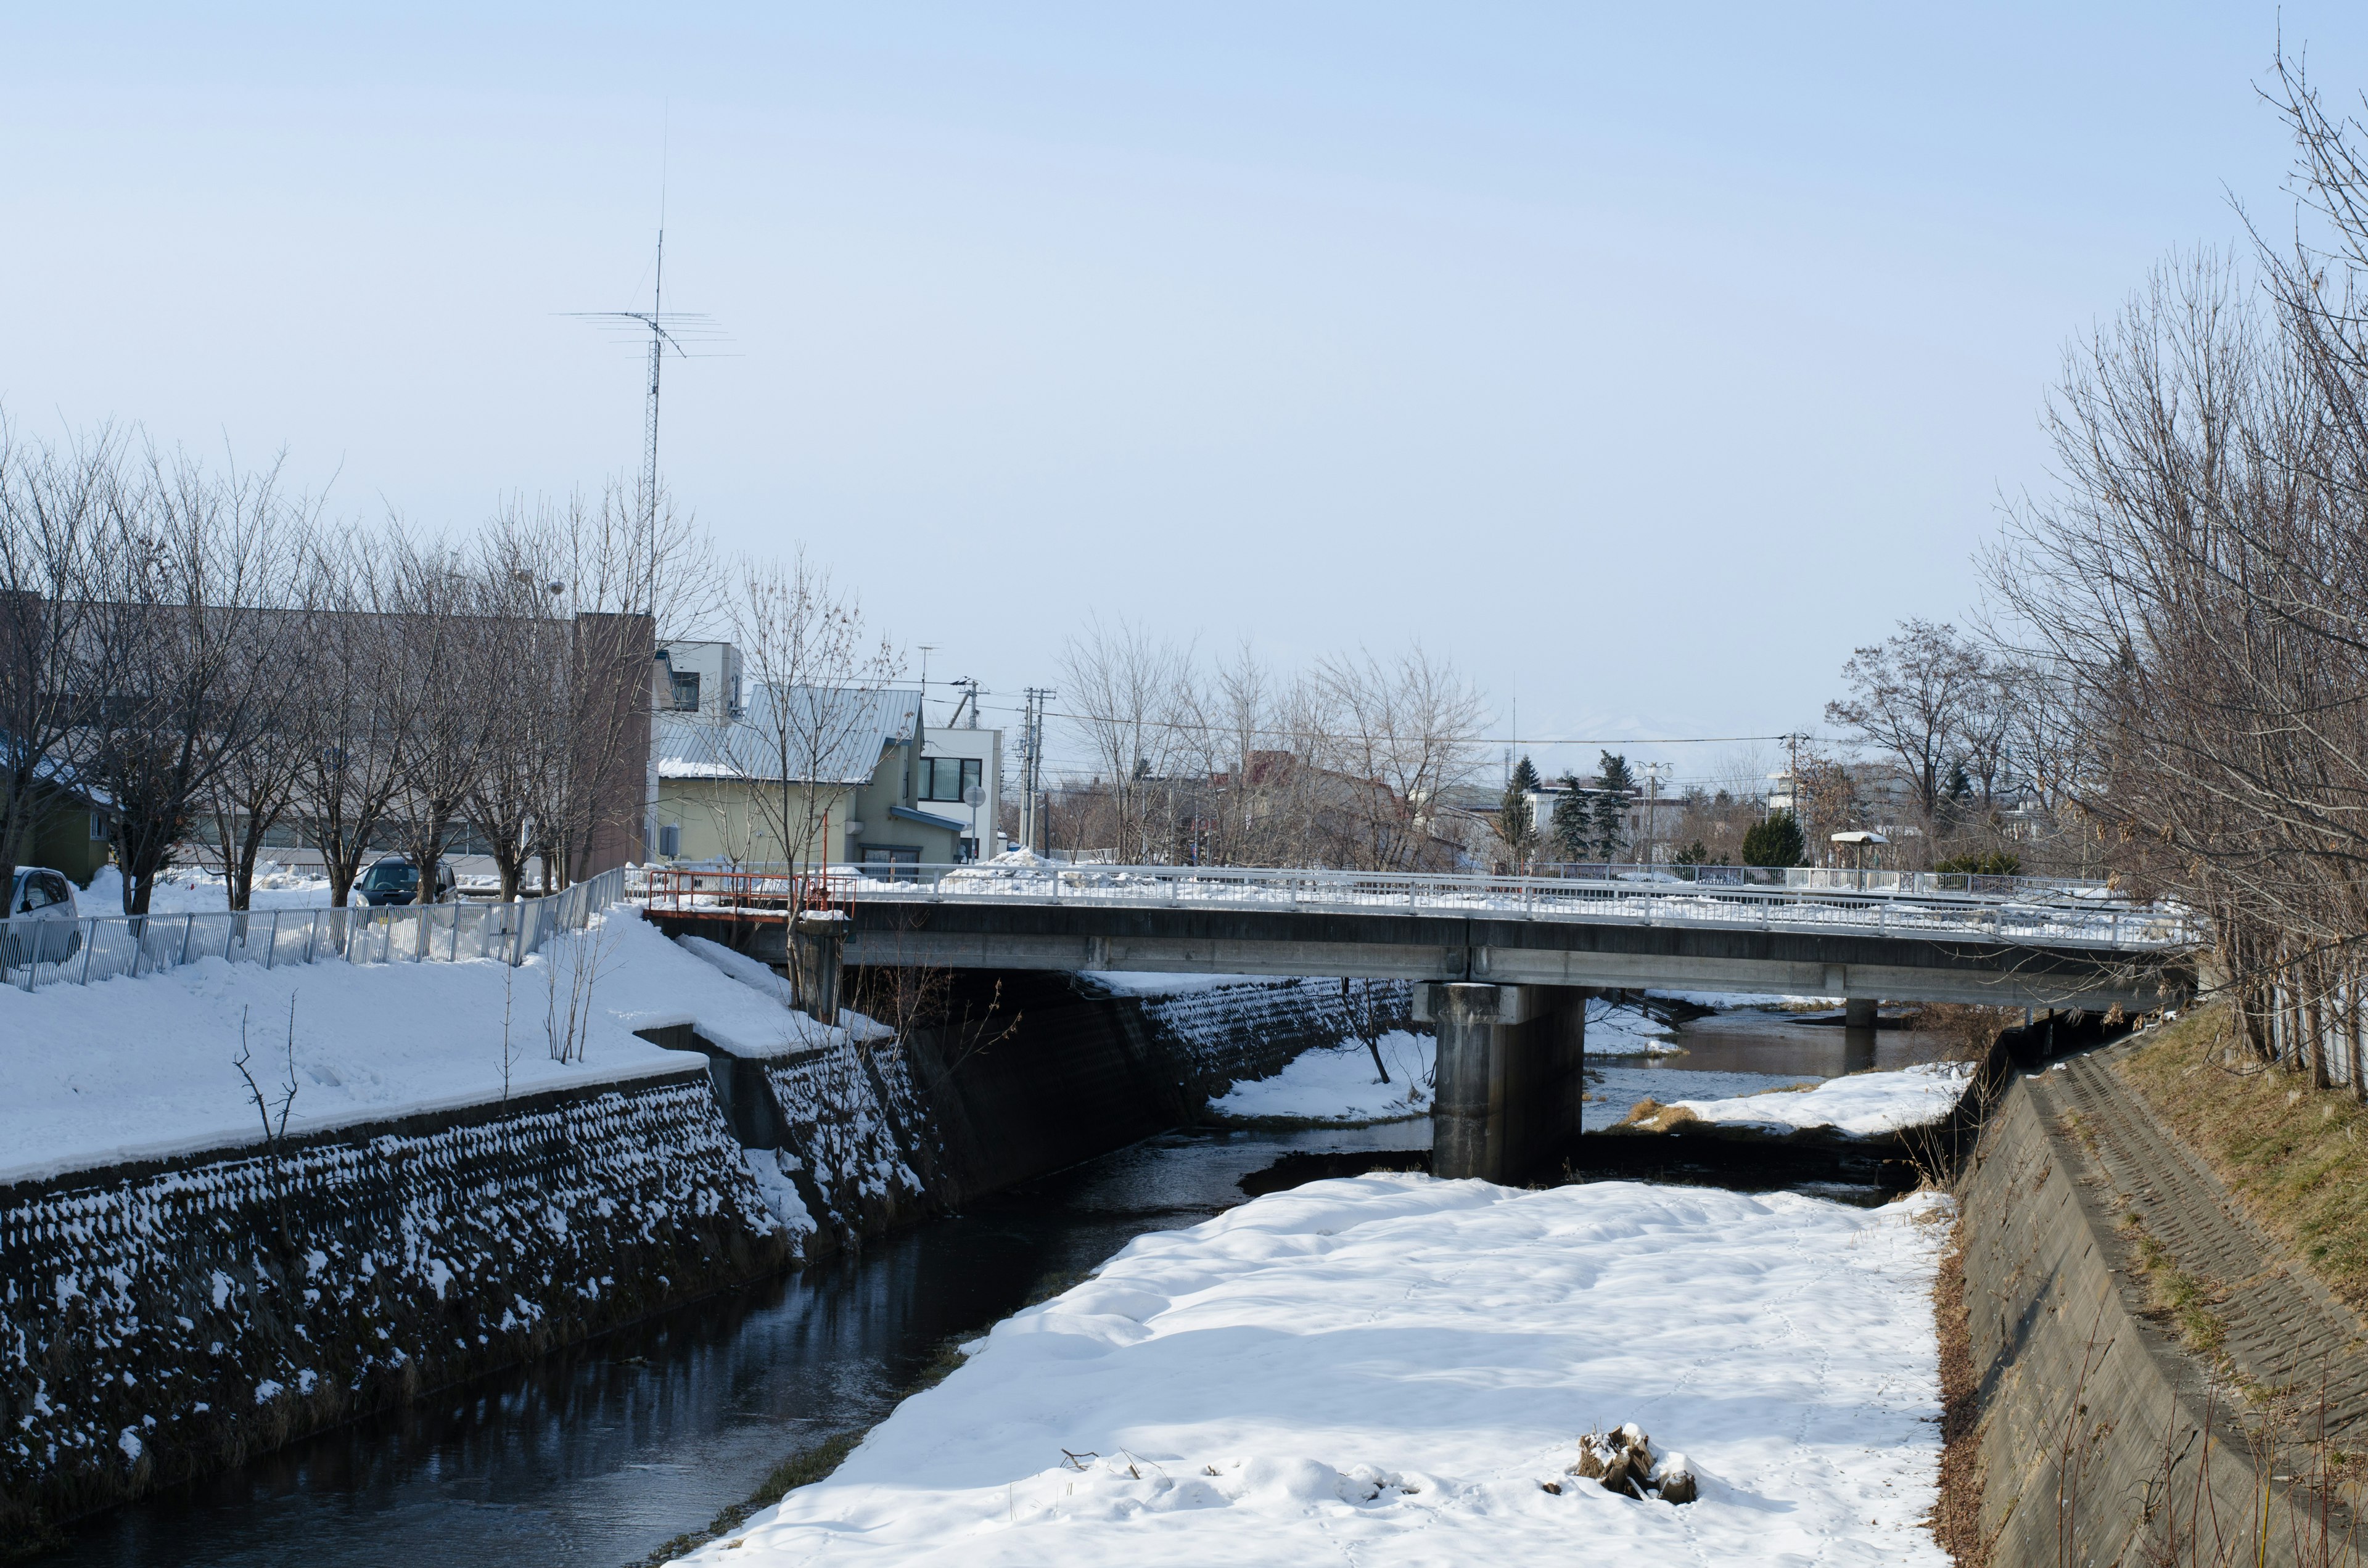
x=1516, y=822
x=1615, y=784
x=1574, y=820
x=1774, y=840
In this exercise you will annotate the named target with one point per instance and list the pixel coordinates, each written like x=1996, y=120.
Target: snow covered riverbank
x=131, y=1068
x=1862, y=1104
x=1391, y=1369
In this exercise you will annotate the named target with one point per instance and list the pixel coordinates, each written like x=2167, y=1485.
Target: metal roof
x=827, y=735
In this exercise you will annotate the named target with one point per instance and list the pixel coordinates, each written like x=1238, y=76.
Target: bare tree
x=53, y=505
x=1126, y=695
x=441, y=659
x=623, y=570
x=1400, y=737
x=178, y=665
x=819, y=677
x=1911, y=696
x=352, y=719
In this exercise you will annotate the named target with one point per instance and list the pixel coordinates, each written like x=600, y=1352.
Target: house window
x=686, y=691
x=669, y=839
x=99, y=827
x=891, y=862
x=947, y=778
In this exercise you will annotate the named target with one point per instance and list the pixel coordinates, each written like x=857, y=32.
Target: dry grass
x=2297, y=1157
x=1649, y=1115
x=1956, y=1517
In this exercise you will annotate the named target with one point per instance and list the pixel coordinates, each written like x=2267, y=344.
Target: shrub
x=1774, y=840
x=1987, y=863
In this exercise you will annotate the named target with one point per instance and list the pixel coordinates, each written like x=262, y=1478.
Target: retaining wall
x=2100, y=1442
x=174, y=1316
x=1087, y=1071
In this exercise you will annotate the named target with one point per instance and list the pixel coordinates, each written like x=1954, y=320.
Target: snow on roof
x=848, y=727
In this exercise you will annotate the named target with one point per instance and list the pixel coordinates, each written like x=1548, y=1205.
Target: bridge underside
x=1508, y=952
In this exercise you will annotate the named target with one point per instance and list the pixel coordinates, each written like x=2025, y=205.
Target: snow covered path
x=1387, y=1370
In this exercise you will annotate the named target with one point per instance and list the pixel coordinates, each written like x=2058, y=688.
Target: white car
x=41, y=918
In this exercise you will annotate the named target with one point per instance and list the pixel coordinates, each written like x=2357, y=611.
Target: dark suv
x=395, y=881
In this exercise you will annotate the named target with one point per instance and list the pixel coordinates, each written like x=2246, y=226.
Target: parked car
x=41, y=919
x=395, y=881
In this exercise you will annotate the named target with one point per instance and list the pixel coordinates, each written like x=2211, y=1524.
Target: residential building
x=786, y=775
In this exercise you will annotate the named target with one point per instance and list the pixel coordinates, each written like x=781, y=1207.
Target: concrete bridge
x=1504, y=965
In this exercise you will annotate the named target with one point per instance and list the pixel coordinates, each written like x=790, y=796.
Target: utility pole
x=1653, y=775
x=1793, y=742
x=1031, y=764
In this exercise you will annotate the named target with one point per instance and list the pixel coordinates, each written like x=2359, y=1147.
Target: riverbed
x=600, y=1455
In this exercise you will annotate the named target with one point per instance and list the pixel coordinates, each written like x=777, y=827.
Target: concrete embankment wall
x=2100, y=1441
x=171, y=1317
x=1087, y=1071
x=168, y=1318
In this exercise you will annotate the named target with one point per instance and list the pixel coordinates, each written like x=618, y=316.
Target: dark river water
x=596, y=1457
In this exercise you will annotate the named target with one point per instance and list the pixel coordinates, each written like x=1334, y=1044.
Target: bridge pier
x=817, y=950
x=1510, y=1075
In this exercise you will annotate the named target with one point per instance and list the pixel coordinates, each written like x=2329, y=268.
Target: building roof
x=848, y=726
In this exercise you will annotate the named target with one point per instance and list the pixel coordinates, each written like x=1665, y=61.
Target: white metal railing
x=2063, y=919
x=34, y=953
x=1968, y=884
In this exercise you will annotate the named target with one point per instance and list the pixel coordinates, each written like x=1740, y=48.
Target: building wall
x=62, y=843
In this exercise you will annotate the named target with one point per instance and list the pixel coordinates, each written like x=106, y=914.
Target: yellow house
x=795, y=775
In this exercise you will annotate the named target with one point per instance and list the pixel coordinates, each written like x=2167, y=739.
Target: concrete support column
x=1857, y=1033
x=817, y=945
x=1510, y=1076
x=1858, y=1013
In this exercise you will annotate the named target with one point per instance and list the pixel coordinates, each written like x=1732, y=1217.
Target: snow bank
x=1385, y=1370
x=1627, y=1031
x=1863, y=1104
x=1336, y=1083
x=187, y=892
x=1152, y=983
x=1613, y=1092
x=135, y=1068
x=1730, y=1001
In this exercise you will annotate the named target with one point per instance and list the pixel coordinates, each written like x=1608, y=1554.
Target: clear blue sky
x=1650, y=358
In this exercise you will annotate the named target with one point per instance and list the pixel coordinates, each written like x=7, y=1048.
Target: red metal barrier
x=687, y=892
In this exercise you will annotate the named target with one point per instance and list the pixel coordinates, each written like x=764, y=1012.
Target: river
x=596, y=1457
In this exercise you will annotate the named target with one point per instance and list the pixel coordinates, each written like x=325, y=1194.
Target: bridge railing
x=2059, y=920
x=35, y=953
x=1969, y=884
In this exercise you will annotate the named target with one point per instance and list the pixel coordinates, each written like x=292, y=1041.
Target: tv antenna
x=665, y=329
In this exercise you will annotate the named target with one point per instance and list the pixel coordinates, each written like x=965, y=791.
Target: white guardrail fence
x=2077, y=914
x=35, y=953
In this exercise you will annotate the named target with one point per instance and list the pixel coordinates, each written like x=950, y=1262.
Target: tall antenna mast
x=666, y=329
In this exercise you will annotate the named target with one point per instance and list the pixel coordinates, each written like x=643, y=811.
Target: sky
x=1641, y=361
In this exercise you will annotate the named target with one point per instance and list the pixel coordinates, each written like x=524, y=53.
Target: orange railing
x=718, y=894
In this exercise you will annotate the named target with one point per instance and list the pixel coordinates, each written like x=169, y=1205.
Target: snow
x=1863, y=1104
x=135, y=1068
x=1336, y=1083
x=1728, y=1001
x=184, y=891
x=1613, y=1092
x=1625, y=1032
x=1152, y=983
x=1387, y=1370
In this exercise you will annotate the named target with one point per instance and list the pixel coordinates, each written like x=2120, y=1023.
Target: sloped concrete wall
x=2100, y=1442
x=171, y=1317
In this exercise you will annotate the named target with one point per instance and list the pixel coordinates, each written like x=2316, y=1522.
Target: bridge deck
x=2011, y=951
